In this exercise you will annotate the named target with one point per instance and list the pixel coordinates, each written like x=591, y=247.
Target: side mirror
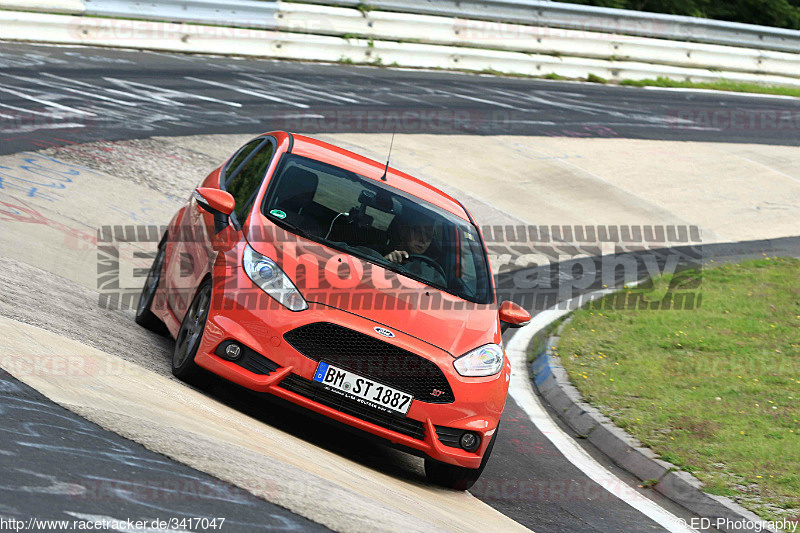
x=217, y=202
x=513, y=316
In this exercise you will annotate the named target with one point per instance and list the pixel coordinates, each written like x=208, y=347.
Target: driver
x=410, y=239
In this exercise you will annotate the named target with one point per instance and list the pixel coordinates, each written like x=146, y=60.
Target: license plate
x=363, y=390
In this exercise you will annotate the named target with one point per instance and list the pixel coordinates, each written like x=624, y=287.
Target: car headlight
x=484, y=361
x=268, y=275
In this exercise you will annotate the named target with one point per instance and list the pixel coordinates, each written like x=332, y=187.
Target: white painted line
x=29, y=111
x=522, y=392
x=305, y=87
x=480, y=100
x=45, y=102
x=71, y=90
x=762, y=165
x=259, y=94
x=589, y=109
x=121, y=525
x=106, y=89
x=37, y=127
x=162, y=95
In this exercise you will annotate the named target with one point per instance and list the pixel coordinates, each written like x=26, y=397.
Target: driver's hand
x=398, y=256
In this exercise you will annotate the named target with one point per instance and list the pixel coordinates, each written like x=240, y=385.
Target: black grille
x=373, y=358
x=315, y=392
x=251, y=360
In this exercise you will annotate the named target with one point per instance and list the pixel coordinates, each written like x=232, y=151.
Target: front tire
x=457, y=477
x=144, y=315
x=190, y=336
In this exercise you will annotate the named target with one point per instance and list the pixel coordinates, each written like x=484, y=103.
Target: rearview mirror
x=217, y=202
x=513, y=316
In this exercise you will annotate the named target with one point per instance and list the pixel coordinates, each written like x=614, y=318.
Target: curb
x=553, y=384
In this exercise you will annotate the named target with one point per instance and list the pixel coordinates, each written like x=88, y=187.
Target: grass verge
x=722, y=85
x=714, y=390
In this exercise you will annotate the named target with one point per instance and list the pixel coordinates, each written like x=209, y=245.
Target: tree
x=777, y=13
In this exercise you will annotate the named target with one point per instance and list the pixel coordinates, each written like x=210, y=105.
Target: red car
x=306, y=271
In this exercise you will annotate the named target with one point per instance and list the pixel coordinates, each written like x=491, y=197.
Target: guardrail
x=245, y=13
x=616, y=49
x=331, y=33
x=591, y=18
x=49, y=6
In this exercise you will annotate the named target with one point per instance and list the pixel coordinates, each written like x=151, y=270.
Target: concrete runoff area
x=55, y=201
x=732, y=192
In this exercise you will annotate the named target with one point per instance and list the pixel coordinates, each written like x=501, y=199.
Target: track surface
x=54, y=96
x=51, y=95
x=57, y=466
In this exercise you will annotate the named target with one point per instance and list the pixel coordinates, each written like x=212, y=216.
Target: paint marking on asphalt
x=37, y=127
x=250, y=92
x=762, y=165
x=29, y=111
x=168, y=96
x=304, y=87
x=45, y=102
x=479, y=100
x=69, y=90
x=523, y=394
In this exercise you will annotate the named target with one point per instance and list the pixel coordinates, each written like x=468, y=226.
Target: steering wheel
x=435, y=264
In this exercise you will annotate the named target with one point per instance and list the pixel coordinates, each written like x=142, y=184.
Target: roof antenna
x=386, y=171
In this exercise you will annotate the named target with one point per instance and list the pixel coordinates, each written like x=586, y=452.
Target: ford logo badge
x=383, y=331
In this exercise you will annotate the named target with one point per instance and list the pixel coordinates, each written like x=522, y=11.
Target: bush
x=777, y=13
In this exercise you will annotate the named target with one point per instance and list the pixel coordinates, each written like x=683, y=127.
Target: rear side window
x=238, y=159
x=246, y=172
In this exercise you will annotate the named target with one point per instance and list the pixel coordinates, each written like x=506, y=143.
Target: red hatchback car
x=306, y=271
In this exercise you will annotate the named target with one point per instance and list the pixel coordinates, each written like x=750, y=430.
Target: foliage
x=778, y=13
x=721, y=85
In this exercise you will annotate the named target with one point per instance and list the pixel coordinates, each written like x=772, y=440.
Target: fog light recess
x=470, y=441
x=232, y=352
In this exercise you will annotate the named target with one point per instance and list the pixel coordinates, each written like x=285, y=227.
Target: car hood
x=345, y=282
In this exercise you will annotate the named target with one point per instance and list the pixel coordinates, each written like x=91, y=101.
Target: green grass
x=714, y=390
x=539, y=341
x=365, y=8
x=594, y=78
x=722, y=85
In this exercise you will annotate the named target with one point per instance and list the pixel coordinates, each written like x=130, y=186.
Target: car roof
x=334, y=155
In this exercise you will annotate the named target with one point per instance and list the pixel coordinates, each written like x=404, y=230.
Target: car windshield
x=379, y=224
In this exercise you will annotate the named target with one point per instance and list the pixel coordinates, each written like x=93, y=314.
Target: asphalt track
x=58, y=95
x=56, y=466
x=55, y=96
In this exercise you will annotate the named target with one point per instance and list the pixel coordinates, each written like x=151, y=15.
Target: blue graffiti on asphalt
x=40, y=177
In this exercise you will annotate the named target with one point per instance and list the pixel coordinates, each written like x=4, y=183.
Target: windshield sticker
x=278, y=213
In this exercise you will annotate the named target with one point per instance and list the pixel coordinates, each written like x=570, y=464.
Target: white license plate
x=363, y=390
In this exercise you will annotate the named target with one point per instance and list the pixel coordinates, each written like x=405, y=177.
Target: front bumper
x=286, y=373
